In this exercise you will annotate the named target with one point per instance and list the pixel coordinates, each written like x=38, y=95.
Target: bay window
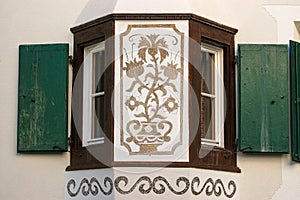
x=210, y=71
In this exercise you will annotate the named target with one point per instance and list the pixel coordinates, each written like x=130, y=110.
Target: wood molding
x=153, y=16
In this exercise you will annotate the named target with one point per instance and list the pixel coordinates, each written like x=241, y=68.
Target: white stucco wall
x=33, y=177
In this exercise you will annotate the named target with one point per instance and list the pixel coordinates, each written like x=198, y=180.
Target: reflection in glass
x=98, y=117
x=207, y=71
x=98, y=69
x=208, y=115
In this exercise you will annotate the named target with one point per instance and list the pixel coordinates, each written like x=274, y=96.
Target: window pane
x=207, y=71
x=98, y=117
x=98, y=69
x=208, y=87
x=208, y=118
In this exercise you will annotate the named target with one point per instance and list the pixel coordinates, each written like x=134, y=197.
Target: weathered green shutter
x=43, y=92
x=295, y=98
x=263, y=98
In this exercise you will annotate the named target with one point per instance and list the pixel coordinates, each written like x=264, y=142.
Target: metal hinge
x=236, y=60
x=241, y=149
x=70, y=141
x=297, y=100
x=71, y=60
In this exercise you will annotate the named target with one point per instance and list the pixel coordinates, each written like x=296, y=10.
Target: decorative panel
x=151, y=91
x=43, y=92
x=263, y=98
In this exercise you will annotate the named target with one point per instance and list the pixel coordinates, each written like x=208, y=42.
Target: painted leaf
x=144, y=42
x=132, y=86
x=140, y=115
x=142, y=54
x=171, y=85
x=162, y=43
x=163, y=54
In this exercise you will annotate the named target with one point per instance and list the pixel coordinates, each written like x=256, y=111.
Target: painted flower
x=134, y=68
x=152, y=44
x=170, y=70
x=132, y=103
x=171, y=104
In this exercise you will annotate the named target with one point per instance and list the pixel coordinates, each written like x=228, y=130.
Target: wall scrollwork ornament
x=212, y=187
x=86, y=187
x=144, y=181
x=162, y=188
x=146, y=185
x=157, y=185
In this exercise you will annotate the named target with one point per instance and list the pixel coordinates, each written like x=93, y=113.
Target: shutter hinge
x=236, y=60
x=297, y=100
x=245, y=148
x=241, y=149
x=71, y=60
x=230, y=153
x=236, y=144
x=70, y=141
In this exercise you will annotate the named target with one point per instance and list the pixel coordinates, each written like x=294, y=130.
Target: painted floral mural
x=151, y=73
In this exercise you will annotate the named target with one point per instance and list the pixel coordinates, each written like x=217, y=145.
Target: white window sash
x=218, y=97
x=88, y=96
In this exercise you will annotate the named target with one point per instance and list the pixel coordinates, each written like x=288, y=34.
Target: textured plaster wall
x=255, y=25
x=31, y=177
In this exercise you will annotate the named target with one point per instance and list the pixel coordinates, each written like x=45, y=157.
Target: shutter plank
x=250, y=81
x=43, y=89
x=277, y=98
x=295, y=94
x=263, y=98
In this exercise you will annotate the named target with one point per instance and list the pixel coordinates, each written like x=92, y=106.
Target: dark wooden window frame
x=220, y=36
x=85, y=36
x=200, y=30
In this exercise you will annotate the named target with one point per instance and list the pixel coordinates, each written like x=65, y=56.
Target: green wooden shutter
x=295, y=98
x=263, y=98
x=43, y=92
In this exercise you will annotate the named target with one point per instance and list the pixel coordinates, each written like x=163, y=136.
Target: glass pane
x=98, y=69
x=207, y=71
x=98, y=117
x=208, y=118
